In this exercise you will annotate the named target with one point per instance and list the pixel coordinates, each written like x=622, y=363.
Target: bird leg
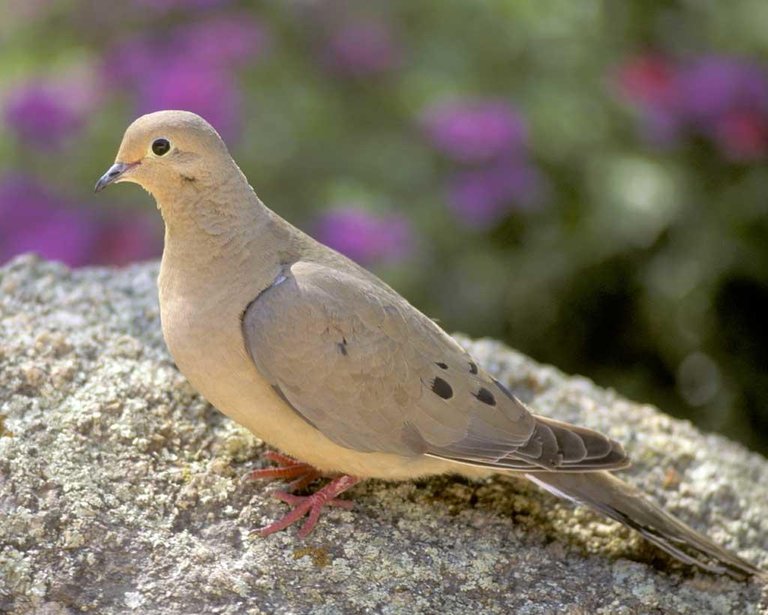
x=303, y=473
x=311, y=505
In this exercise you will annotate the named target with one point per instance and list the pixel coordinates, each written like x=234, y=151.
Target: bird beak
x=115, y=172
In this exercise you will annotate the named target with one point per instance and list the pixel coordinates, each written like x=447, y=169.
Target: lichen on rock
x=122, y=491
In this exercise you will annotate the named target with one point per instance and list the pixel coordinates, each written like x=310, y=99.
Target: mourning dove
x=321, y=359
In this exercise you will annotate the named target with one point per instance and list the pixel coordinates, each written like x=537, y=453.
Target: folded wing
x=372, y=373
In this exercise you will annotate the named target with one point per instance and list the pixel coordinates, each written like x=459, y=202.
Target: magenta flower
x=723, y=99
x=33, y=219
x=650, y=83
x=364, y=236
x=648, y=79
x=481, y=197
x=726, y=99
x=475, y=131
x=361, y=49
x=742, y=135
x=44, y=114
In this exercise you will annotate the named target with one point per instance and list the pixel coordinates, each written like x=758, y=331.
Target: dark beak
x=112, y=175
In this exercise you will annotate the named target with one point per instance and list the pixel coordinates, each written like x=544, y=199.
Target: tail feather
x=618, y=500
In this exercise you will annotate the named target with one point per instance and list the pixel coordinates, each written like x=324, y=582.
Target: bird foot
x=303, y=473
x=310, y=505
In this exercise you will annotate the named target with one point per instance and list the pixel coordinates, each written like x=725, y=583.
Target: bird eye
x=160, y=147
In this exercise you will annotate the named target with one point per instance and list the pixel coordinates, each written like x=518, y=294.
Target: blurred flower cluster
x=35, y=219
x=722, y=99
x=45, y=114
x=489, y=137
x=516, y=169
x=364, y=236
x=191, y=66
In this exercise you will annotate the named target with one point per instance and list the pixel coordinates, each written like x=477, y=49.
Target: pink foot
x=310, y=505
x=304, y=473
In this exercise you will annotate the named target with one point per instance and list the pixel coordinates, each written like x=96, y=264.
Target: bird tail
x=618, y=500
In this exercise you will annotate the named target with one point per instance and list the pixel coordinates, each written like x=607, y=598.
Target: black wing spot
x=485, y=396
x=441, y=388
x=342, y=346
x=442, y=365
x=505, y=390
x=472, y=367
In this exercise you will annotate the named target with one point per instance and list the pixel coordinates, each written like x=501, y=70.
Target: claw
x=304, y=473
x=310, y=505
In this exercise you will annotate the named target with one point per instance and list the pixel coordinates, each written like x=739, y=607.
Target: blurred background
x=584, y=180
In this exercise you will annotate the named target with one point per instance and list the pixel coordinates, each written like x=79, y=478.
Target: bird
x=325, y=362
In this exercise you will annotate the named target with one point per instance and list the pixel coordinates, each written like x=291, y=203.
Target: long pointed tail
x=618, y=500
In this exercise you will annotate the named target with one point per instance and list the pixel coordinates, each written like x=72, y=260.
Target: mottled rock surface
x=121, y=491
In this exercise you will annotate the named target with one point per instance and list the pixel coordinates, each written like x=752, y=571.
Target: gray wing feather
x=374, y=374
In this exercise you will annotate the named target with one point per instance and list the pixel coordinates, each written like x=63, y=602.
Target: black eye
x=160, y=147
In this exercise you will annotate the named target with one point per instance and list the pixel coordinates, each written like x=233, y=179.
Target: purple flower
x=364, y=236
x=234, y=39
x=724, y=99
x=208, y=91
x=481, y=197
x=127, y=239
x=714, y=86
x=475, y=131
x=191, y=68
x=34, y=220
x=129, y=60
x=362, y=48
x=649, y=82
x=43, y=114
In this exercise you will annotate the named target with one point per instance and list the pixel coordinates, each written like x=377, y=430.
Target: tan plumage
x=321, y=359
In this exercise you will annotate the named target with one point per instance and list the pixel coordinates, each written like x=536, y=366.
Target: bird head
x=168, y=151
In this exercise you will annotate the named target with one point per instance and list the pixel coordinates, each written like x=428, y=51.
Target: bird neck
x=227, y=232
x=204, y=225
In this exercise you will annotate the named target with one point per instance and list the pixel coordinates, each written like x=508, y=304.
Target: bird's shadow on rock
x=496, y=504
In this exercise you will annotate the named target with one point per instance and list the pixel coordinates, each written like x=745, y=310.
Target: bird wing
x=374, y=374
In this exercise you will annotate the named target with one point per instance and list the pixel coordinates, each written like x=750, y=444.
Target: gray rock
x=121, y=491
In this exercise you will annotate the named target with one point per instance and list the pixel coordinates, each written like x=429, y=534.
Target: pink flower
x=723, y=99
x=742, y=135
x=649, y=80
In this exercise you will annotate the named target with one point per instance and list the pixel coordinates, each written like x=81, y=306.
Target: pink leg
x=311, y=505
x=290, y=468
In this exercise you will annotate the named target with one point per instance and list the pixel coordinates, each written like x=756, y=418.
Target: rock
x=121, y=491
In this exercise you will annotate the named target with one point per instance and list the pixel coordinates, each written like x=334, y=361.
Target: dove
x=329, y=365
